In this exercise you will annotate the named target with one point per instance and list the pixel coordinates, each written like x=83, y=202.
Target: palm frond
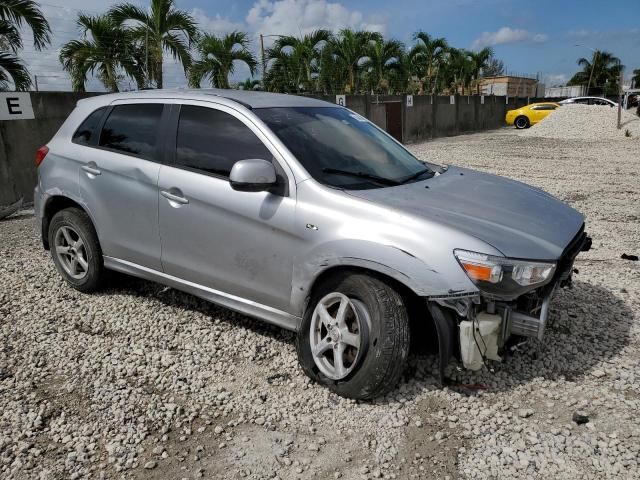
x=19, y=12
x=13, y=71
x=9, y=36
x=126, y=11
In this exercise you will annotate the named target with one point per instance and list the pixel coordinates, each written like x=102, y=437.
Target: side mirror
x=252, y=175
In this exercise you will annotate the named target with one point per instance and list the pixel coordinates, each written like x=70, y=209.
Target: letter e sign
x=16, y=106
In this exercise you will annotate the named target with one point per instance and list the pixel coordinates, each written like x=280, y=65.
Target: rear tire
x=377, y=316
x=522, y=122
x=75, y=249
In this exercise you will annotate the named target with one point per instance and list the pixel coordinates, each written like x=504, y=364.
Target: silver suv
x=306, y=215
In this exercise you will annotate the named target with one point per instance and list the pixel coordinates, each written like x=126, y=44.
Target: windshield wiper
x=367, y=176
x=413, y=176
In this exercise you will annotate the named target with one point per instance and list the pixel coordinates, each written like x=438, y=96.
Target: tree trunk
x=159, y=71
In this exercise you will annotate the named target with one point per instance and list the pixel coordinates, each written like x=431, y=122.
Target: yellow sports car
x=533, y=113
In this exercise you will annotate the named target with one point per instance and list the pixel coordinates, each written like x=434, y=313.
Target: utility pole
x=595, y=59
x=146, y=57
x=35, y=77
x=264, y=62
x=620, y=80
x=593, y=64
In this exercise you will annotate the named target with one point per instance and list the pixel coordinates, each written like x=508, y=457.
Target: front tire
x=75, y=249
x=522, y=122
x=354, y=336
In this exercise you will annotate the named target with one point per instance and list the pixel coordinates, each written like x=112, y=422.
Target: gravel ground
x=587, y=122
x=142, y=381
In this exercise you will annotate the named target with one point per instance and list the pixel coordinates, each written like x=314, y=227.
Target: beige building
x=506, y=85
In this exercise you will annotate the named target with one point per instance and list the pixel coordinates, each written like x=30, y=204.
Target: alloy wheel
x=339, y=326
x=71, y=252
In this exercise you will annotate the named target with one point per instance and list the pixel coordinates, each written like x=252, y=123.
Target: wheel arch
x=402, y=287
x=53, y=205
x=420, y=320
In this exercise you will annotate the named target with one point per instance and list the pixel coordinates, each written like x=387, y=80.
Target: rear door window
x=133, y=129
x=212, y=141
x=85, y=132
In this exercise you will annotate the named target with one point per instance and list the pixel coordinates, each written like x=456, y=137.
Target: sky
x=544, y=37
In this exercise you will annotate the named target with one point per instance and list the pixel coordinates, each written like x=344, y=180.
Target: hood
x=519, y=220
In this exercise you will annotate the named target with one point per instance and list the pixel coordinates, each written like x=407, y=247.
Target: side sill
x=253, y=309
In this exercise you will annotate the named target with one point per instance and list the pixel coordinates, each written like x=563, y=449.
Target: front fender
x=392, y=261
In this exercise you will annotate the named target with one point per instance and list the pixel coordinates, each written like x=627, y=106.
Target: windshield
x=342, y=149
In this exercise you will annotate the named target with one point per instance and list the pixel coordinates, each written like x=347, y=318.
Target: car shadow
x=588, y=326
x=119, y=283
x=629, y=121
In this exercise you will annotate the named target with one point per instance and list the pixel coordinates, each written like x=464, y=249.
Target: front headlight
x=500, y=273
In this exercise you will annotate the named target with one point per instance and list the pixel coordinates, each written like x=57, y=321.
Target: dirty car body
x=321, y=192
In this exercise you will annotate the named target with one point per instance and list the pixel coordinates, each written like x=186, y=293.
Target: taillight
x=40, y=154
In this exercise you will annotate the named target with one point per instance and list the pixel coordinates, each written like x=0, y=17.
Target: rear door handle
x=174, y=197
x=91, y=168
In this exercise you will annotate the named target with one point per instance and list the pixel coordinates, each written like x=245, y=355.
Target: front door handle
x=175, y=196
x=91, y=168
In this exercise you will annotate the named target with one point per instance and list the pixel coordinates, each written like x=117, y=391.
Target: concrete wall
x=433, y=117
x=19, y=140
x=429, y=117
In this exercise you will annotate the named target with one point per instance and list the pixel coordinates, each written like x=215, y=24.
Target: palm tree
x=427, y=57
x=601, y=71
x=349, y=48
x=382, y=57
x=249, y=84
x=283, y=74
x=493, y=68
x=162, y=29
x=217, y=57
x=401, y=75
x=14, y=14
x=457, y=70
x=479, y=61
x=332, y=74
x=13, y=72
x=297, y=59
x=109, y=50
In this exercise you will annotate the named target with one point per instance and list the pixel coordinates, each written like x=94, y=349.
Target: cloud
x=507, y=35
x=611, y=37
x=216, y=24
x=295, y=17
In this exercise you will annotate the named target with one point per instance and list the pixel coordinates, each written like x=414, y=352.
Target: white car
x=589, y=101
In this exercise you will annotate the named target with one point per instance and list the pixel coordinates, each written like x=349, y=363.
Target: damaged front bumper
x=478, y=325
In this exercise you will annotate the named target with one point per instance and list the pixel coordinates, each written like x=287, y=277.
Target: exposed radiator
x=527, y=325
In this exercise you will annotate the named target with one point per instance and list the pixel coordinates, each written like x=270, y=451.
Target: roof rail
x=244, y=104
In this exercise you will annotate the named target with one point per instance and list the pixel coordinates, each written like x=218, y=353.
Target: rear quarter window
x=86, y=131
